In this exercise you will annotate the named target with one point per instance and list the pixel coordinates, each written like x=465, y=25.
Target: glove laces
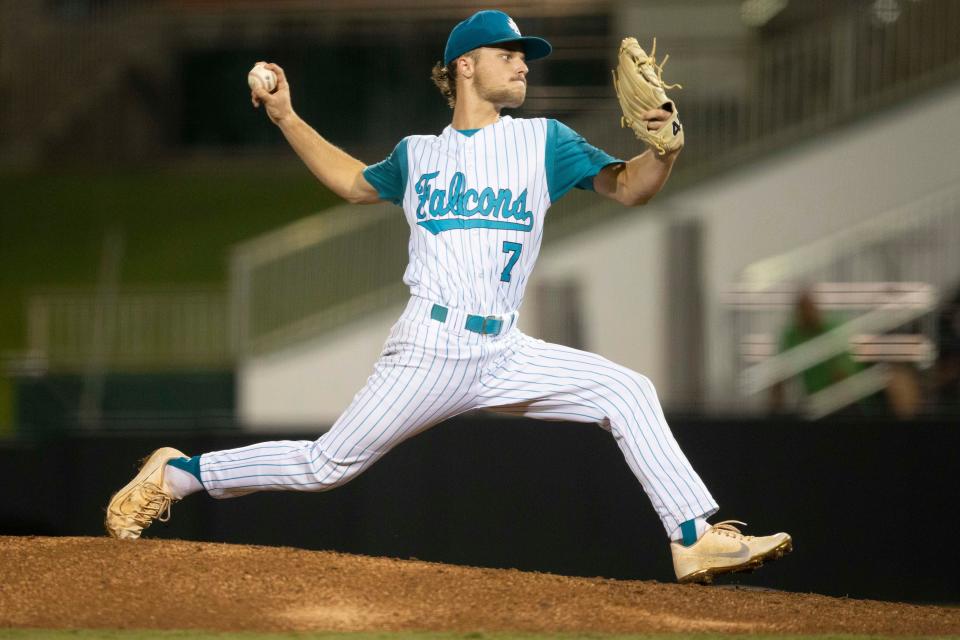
x=651, y=60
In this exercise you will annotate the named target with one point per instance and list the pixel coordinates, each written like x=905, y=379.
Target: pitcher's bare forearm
x=635, y=182
x=644, y=175
x=334, y=167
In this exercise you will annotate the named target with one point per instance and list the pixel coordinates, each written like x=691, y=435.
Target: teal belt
x=486, y=325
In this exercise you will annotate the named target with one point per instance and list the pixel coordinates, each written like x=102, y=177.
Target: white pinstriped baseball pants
x=430, y=371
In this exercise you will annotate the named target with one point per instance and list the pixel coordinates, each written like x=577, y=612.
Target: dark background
x=870, y=504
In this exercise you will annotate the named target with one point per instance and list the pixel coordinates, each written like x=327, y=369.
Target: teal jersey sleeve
x=571, y=161
x=389, y=177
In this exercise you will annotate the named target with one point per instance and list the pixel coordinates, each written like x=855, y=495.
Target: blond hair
x=445, y=77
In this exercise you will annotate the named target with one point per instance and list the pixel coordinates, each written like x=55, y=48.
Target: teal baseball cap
x=490, y=27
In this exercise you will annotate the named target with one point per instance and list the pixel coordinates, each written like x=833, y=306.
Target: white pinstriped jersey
x=476, y=203
x=476, y=206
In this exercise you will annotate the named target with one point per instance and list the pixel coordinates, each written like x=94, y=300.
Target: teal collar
x=467, y=132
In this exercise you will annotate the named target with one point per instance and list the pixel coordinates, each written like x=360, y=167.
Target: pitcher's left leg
x=553, y=382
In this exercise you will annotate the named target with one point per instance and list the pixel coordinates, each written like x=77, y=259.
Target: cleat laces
x=726, y=528
x=156, y=506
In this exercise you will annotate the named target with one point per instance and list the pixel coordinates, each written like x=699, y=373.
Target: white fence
x=316, y=274
x=143, y=330
x=881, y=280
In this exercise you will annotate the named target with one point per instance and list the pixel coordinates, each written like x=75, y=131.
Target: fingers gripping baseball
x=277, y=102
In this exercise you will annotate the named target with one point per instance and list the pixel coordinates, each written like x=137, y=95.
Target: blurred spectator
x=903, y=396
x=946, y=372
x=808, y=323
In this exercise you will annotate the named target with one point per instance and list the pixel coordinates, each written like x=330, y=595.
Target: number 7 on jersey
x=514, y=248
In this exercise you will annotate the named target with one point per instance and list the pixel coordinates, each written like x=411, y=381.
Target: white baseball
x=262, y=77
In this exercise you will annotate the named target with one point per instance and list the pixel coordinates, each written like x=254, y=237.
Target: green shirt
x=823, y=374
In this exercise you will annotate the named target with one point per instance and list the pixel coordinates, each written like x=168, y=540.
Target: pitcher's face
x=501, y=75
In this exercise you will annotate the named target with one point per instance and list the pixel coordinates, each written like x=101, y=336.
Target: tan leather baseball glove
x=638, y=80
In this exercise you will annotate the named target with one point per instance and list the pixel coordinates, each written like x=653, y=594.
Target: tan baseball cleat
x=723, y=549
x=143, y=500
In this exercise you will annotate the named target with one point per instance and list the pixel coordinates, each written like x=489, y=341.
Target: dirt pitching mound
x=171, y=584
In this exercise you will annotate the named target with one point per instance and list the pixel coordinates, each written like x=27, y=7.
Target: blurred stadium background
x=173, y=275
x=167, y=263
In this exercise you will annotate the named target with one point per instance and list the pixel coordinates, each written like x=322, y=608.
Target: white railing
x=884, y=317
x=880, y=279
x=141, y=330
x=846, y=392
x=913, y=240
x=316, y=274
x=327, y=269
x=864, y=347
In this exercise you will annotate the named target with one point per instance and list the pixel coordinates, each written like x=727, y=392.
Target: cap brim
x=533, y=47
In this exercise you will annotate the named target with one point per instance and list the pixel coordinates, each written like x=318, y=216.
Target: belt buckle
x=483, y=325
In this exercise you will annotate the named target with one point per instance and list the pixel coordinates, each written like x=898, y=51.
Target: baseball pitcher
x=476, y=196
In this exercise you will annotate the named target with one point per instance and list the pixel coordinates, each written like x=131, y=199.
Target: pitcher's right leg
x=426, y=380
x=424, y=376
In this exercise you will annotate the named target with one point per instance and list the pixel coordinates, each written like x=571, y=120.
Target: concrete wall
x=619, y=268
x=308, y=385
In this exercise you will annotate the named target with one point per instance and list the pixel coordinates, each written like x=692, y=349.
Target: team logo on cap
x=513, y=26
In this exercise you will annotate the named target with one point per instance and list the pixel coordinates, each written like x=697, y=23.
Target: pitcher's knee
x=329, y=472
x=640, y=385
x=644, y=380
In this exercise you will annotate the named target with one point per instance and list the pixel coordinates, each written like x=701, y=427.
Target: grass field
x=31, y=634
x=177, y=226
